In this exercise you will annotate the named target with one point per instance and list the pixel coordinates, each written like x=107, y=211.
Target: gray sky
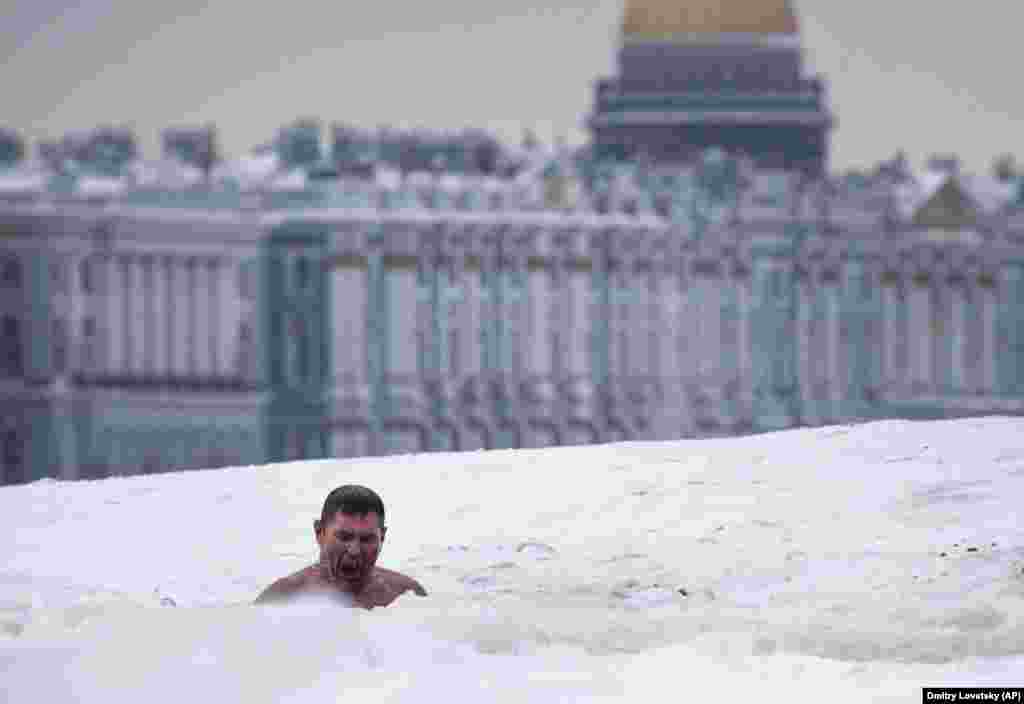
x=925, y=76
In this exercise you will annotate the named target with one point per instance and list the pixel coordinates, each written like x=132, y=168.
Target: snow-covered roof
x=452, y=182
x=167, y=173
x=527, y=177
x=990, y=193
x=389, y=178
x=294, y=179
x=99, y=187
x=21, y=179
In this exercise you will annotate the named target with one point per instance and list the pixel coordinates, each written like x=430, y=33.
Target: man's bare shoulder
x=400, y=582
x=288, y=586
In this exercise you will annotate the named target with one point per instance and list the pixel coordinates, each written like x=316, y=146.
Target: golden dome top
x=668, y=19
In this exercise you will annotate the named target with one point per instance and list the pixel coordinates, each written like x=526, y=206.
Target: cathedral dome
x=681, y=19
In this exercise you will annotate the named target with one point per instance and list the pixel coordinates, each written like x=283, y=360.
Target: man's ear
x=316, y=527
x=383, y=532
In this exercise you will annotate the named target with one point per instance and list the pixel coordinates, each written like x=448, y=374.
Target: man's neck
x=351, y=588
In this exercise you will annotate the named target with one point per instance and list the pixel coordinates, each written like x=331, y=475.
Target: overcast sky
x=918, y=75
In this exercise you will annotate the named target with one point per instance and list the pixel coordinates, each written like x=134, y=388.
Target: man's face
x=349, y=546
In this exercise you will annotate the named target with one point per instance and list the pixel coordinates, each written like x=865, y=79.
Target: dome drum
x=696, y=20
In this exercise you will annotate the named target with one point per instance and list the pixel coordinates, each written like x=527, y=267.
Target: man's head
x=350, y=533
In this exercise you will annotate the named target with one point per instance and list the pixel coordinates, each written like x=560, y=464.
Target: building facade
x=402, y=292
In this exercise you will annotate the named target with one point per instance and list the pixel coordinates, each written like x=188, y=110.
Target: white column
x=668, y=332
x=631, y=323
x=640, y=355
x=928, y=315
x=151, y=322
x=78, y=309
x=693, y=350
x=349, y=325
x=974, y=343
x=141, y=319
x=675, y=412
x=144, y=322
x=453, y=308
x=805, y=378
x=958, y=339
x=557, y=327
x=192, y=297
x=833, y=343
x=515, y=326
x=579, y=327
x=140, y=327
x=172, y=307
x=113, y=290
x=920, y=334
x=710, y=332
x=940, y=324
x=890, y=335
x=988, y=354
x=686, y=327
x=229, y=317
x=654, y=323
x=91, y=305
x=473, y=319
x=928, y=348
x=158, y=284
x=291, y=328
x=539, y=301
x=699, y=333
x=201, y=322
x=425, y=344
x=615, y=315
x=206, y=314
x=182, y=317
x=213, y=275
x=743, y=355
x=402, y=316
x=130, y=300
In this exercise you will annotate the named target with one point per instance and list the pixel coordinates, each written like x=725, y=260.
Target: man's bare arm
x=416, y=587
x=402, y=582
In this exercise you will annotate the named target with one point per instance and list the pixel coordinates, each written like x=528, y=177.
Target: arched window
x=152, y=463
x=219, y=457
x=10, y=347
x=299, y=348
x=246, y=281
x=60, y=345
x=85, y=274
x=302, y=273
x=88, y=356
x=58, y=276
x=293, y=444
x=12, y=457
x=244, y=360
x=10, y=272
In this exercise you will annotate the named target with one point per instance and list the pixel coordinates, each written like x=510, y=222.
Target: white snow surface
x=20, y=179
x=163, y=173
x=849, y=563
x=98, y=186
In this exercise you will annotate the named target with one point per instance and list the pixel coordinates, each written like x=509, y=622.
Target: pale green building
x=373, y=292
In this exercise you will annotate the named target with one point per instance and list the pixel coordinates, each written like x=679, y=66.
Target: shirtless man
x=350, y=533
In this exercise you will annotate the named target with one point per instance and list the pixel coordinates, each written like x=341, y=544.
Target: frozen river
x=859, y=562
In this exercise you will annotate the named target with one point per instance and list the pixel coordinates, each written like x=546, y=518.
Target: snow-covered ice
x=850, y=563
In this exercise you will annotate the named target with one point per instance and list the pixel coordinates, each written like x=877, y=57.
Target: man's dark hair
x=352, y=500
